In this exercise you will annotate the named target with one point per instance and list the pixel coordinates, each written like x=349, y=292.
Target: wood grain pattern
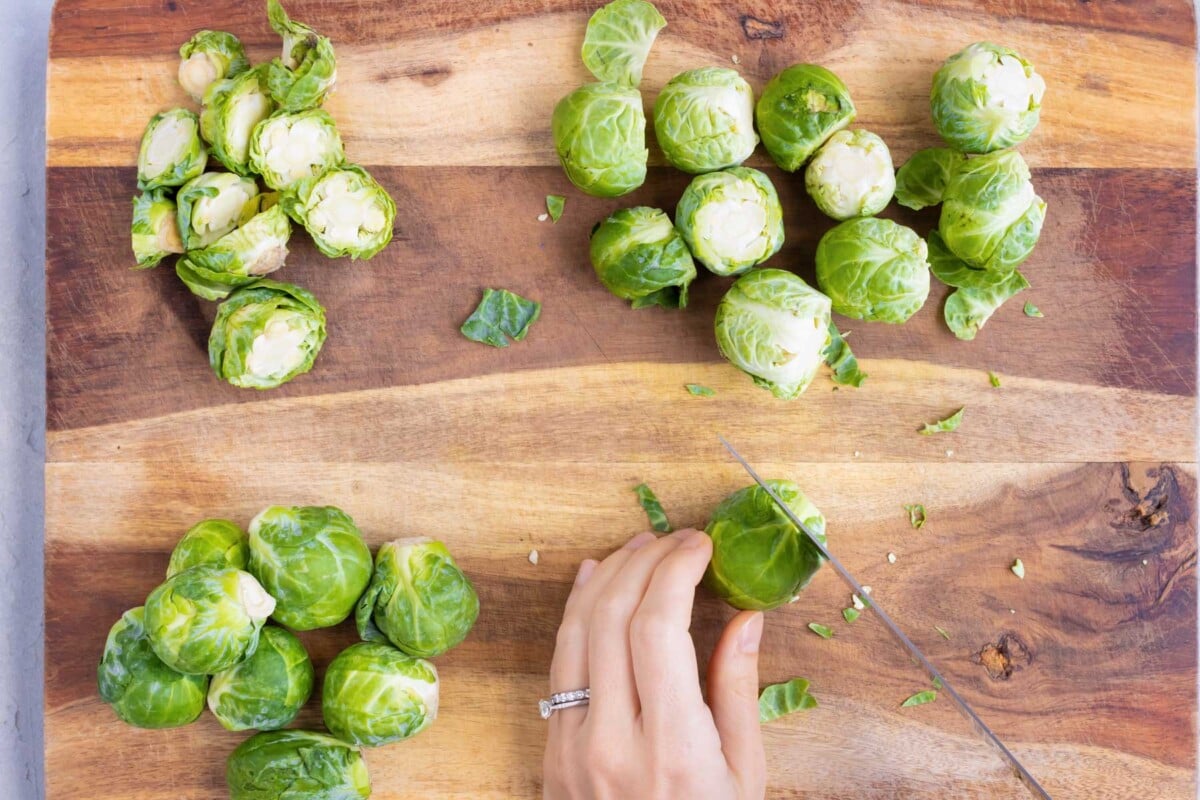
x=1082, y=464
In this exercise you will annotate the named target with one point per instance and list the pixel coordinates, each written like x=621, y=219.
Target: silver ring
x=560, y=700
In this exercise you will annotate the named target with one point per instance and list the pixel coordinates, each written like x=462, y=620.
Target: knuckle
x=571, y=633
x=610, y=611
x=648, y=628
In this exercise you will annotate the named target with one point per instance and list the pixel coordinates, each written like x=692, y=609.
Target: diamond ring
x=560, y=700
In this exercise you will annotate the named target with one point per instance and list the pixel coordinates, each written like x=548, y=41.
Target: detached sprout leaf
x=618, y=39
x=171, y=153
x=873, y=269
x=946, y=425
x=374, y=694
x=781, y=699
x=994, y=379
x=799, y=109
x=240, y=257
x=208, y=57
x=986, y=97
x=916, y=514
x=838, y=355
x=499, y=316
x=653, y=508
x=154, y=232
x=1033, y=311
x=922, y=180
x=698, y=390
x=824, y=631
x=850, y=614
x=554, y=206
x=290, y=146
x=968, y=310
x=265, y=334
x=639, y=256
x=731, y=220
x=275, y=763
x=704, y=120
x=1018, y=568
x=600, y=137
x=306, y=73
x=920, y=698
x=942, y=632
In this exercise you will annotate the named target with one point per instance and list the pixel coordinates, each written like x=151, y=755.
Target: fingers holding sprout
x=207, y=57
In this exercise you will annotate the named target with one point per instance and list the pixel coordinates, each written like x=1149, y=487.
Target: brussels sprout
x=266, y=691
x=774, y=327
x=265, y=334
x=208, y=57
x=212, y=205
x=142, y=689
x=991, y=216
x=923, y=179
x=307, y=71
x=344, y=210
x=851, y=175
x=798, y=110
x=171, y=153
x=986, y=97
x=873, y=269
x=296, y=765
x=313, y=561
x=638, y=255
x=600, y=136
x=760, y=559
x=240, y=257
x=232, y=108
x=206, y=619
x=618, y=39
x=374, y=694
x=287, y=147
x=953, y=271
x=731, y=220
x=154, y=231
x=704, y=120
x=419, y=599
x=214, y=542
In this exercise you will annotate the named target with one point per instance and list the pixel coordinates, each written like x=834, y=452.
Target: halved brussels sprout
x=214, y=542
x=985, y=98
x=344, y=210
x=419, y=600
x=172, y=152
x=137, y=684
x=798, y=110
x=639, y=256
x=873, y=269
x=731, y=220
x=206, y=619
x=374, y=694
x=313, y=561
x=267, y=690
x=923, y=179
x=774, y=327
x=212, y=205
x=760, y=559
x=991, y=216
x=307, y=72
x=154, y=231
x=240, y=257
x=851, y=175
x=296, y=765
x=265, y=334
x=600, y=137
x=704, y=120
x=208, y=57
x=232, y=108
x=287, y=147
x=618, y=39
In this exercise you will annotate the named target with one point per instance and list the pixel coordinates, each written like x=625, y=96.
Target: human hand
x=647, y=733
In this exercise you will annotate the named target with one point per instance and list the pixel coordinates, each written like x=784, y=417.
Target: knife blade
x=964, y=708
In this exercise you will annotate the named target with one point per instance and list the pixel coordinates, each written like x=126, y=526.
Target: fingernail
x=641, y=540
x=694, y=539
x=585, y=571
x=751, y=634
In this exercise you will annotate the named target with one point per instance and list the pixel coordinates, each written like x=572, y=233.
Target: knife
x=1021, y=774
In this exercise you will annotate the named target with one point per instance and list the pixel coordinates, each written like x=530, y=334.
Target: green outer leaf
x=873, y=269
x=354, y=182
x=217, y=542
x=937, y=682
x=840, y=358
x=946, y=425
x=994, y=379
x=824, y=631
x=1032, y=311
x=618, y=39
x=244, y=316
x=968, y=310
x=191, y=165
x=294, y=764
x=798, y=110
x=152, y=212
x=922, y=180
x=554, y=206
x=374, y=694
x=268, y=689
x=916, y=514
x=698, y=390
x=850, y=614
x=920, y=698
x=781, y=699
x=639, y=256
x=499, y=315
x=653, y=508
x=600, y=138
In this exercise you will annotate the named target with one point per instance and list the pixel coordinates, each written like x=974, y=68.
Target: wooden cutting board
x=1082, y=464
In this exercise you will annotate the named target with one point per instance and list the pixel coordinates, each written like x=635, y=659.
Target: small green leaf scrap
x=916, y=515
x=920, y=698
x=1033, y=311
x=823, y=631
x=698, y=390
x=841, y=360
x=946, y=425
x=653, y=508
x=501, y=314
x=937, y=682
x=1018, y=569
x=850, y=614
x=942, y=632
x=781, y=699
x=994, y=379
x=554, y=206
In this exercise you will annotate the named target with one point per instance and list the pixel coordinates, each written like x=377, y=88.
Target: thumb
x=733, y=696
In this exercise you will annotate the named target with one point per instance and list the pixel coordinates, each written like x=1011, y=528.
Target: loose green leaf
x=968, y=309
x=916, y=514
x=823, y=631
x=994, y=378
x=501, y=314
x=1032, y=311
x=946, y=425
x=920, y=698
x=781, y=699
x=618, y=39
x=653, y=508
x=841, y=360
x=698, y=390
x=554, y=206
x=850, y=614
x=937, y=682
x=942, y=632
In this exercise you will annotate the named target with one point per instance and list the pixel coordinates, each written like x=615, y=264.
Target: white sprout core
x=169, y=142
x=1010, y=85
x=296, y=149
x=197, y=72
x=734, y=227
x=167, y=233
x=213, y=217
x=254, y=598
x=346, y=214
x=278, y=349
x=245, y=111
x=852, y=174
x=800, y=341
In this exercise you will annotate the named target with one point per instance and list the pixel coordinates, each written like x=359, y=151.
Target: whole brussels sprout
x=923, y=179
x=873, y=269
x=760, y=559
x=851, y=175
x=212, y=205
x=344, y=210
x=774, y=327
x=296, y=765
x=419, y=600
x=731, y=220
x=265, y=334
x=307, y=72
x=374, y=694
x=991, y=216
x=798, y=110
x=985, y=98
x=171, y=153
x=142, y=689
x=267, y=690
x=600, y=136
x=206, y=619
x=214, y=542
x=240, y=257
x=232, y=108
x=208, y=57
x=154, y=231
x=639, y=256
x=313, y=561
x=287, y=147
x=704, y=120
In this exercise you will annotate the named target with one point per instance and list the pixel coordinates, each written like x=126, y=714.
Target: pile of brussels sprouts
x=285, y=163
x=771, y=324
x=203, y=636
